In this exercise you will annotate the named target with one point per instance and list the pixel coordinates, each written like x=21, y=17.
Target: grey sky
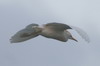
x=40, y=51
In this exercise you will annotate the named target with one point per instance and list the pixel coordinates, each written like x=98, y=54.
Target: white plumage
x=53, y=30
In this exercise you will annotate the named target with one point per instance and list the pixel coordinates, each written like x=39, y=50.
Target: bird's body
x=53, y=34
x=53, y=30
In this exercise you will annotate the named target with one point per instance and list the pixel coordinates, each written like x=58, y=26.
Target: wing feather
x=81, y=33
x=57, y=26
x=23, y=35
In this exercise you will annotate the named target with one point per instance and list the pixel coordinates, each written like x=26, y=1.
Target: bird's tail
x=81, y=33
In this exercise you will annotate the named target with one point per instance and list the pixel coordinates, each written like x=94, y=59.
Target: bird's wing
x=81, y=33
x=23, y=35
x=57, y=26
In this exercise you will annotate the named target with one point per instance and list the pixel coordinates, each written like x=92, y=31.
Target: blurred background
x=40, y=51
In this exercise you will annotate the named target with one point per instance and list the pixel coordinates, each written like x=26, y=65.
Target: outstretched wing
x=57, y=26
x=81, y=33
x=23, y=35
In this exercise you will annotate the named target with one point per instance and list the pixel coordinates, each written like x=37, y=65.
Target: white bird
x=53, y=30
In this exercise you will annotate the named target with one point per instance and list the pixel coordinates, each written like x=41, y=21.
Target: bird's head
x=32, y=26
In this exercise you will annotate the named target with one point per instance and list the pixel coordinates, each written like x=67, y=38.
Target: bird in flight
x=54, y=30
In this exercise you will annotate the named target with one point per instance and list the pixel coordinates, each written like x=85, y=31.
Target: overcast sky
x=40, y=51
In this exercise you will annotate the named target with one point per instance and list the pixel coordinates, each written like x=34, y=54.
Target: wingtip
x=11, y=41
x=88, y=41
